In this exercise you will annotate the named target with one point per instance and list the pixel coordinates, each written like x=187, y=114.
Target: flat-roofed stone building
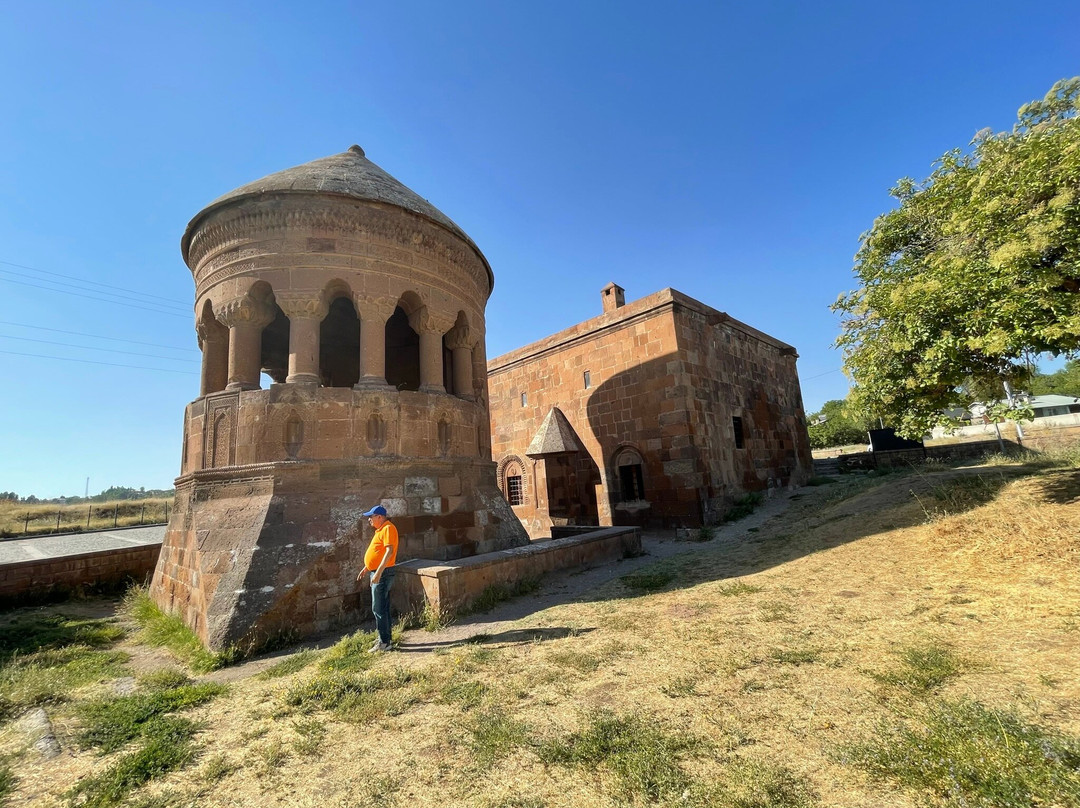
x=364, y=305
x=659, y=413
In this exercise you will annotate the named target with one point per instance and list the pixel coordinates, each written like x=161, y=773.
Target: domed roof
x=348, y=174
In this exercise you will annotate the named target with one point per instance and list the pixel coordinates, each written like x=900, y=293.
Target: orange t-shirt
x=385, y=536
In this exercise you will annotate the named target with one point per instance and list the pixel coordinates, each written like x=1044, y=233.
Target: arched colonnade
x=334, y=338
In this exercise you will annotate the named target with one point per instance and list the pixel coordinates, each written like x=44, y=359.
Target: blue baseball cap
x=378, y=510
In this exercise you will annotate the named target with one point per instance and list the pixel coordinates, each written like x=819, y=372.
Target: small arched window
x=631, y=470
x=512, y=480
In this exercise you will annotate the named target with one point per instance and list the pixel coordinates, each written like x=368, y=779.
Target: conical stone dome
x=349, y=174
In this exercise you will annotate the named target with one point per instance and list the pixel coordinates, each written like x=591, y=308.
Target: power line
x=97, y=336
x=93, y=362
x=818, y=376
x=92, y=348
x=92, y=283
x=101, y=299
x=84, y=289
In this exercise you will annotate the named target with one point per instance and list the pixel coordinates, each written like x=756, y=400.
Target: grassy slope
x=759, y=674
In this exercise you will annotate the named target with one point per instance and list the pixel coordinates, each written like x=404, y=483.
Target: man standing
x=379, y=565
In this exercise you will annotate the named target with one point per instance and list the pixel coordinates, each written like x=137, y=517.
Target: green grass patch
x=310, y=734
x=466, y=693
x=359, y=696
x=738, y=588
x=30, y=632
x=776, y=611
x=758, y=784
x=46, y=656
x=294, y=663
x=50, y=676
x=350, y=653
x=923, y=668
x=494, y=735
x=652, y=581
x=109, y=724
x=794, y=656
x=816, y=481
x=965, y=754
x=7, y=781
x=743, y=507
x=168, y=631
x=167, y=746
x=643, y=758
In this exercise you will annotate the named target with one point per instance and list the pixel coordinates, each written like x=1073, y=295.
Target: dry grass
x=18, y=519
x=746, y=679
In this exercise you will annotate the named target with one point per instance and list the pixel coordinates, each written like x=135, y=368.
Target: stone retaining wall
x=452, y=586
x=48, y=578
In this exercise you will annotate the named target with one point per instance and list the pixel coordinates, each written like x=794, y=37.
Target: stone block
x=421, y=487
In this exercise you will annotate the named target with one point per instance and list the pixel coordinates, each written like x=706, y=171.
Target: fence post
x=57, y=520
x=115, y=514
x=143, y=513
x=26, y=524
x=89, y=511
x=166, y=511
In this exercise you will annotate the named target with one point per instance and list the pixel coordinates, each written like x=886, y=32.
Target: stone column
x=245, y=318
x=431, y=330
x=373, y=313
x=460, y=340
x=214, y=342
x=305, y=311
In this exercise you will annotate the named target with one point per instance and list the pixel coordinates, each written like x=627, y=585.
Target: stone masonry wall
x=734, y=371
x=634, y=401
x=38, y=579
x=667, y=374
x=277, y=550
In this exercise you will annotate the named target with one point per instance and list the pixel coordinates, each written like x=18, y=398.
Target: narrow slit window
x=588, y=380
x=524, y=399
x=513, y=490
x=736, y=425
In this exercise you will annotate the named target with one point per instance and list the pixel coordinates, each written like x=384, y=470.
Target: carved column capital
x=425, y=320
x=461, y=336
x=308, y=305
x=245, y=310
x=369, y=307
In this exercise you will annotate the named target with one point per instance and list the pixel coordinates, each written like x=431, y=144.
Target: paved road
x=62, y=545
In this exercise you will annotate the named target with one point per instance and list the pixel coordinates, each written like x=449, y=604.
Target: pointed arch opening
x=339, y=340
x=403, y=344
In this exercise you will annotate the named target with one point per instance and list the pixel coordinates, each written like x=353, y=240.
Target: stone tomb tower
x=365, y=306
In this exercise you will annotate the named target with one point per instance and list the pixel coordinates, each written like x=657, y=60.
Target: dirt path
x=499, y=623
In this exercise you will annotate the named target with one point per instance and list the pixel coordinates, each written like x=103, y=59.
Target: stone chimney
x=614, y=297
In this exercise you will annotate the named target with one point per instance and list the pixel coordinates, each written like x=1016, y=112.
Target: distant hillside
x=115, y=492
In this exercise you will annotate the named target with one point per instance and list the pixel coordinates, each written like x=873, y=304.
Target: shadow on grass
x=1061, y=487
x=510, y=637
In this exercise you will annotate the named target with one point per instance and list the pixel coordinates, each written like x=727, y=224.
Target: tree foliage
x=836, y=424
x=975, y=270
x=1065, y=382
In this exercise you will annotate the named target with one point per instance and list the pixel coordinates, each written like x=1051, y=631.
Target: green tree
x=836, y=424
x=976, y=269
x=1065, y=382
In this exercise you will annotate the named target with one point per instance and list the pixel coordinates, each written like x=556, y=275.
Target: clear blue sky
x=732, y=151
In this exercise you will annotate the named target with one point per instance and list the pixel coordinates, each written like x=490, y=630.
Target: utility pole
x=1009, y=398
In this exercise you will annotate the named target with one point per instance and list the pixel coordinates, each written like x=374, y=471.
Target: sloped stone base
x=255, y=552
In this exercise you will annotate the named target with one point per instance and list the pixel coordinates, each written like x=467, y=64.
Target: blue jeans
x=380, y=603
